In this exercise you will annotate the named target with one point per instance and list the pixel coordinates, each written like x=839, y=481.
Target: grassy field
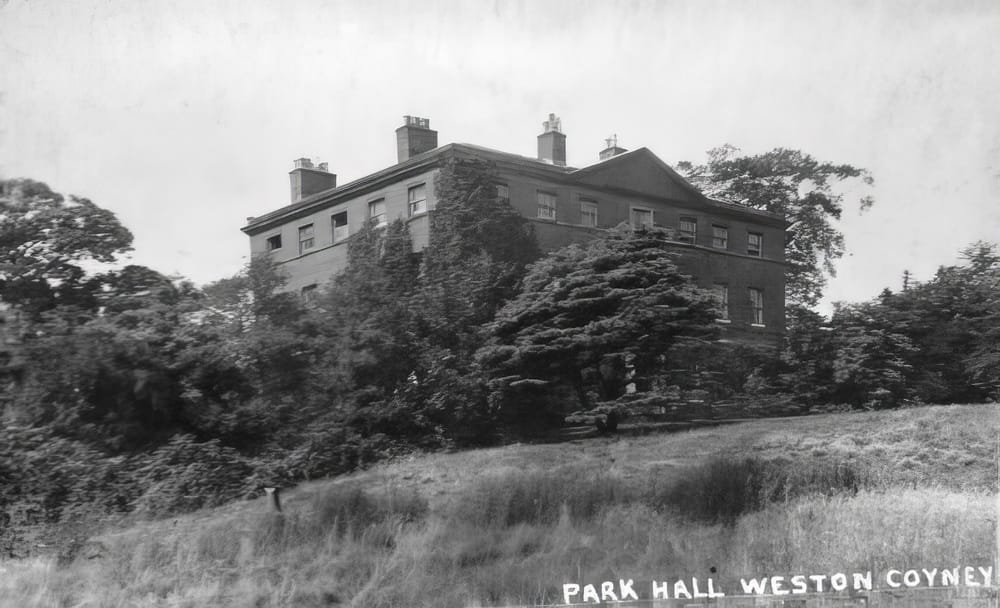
x=508, y=526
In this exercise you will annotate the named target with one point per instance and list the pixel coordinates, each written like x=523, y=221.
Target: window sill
x=757, y=325
x=316, y=249
x=724, y=321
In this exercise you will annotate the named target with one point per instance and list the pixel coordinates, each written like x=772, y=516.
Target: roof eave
x=326, y=197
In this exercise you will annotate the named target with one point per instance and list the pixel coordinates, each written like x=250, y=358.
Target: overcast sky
x=183, y=117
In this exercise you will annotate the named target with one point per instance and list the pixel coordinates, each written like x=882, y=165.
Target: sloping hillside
x=509, y=525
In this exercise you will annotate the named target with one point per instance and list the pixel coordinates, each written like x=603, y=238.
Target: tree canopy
x=620, y=296
x=796, y=185
x=45, y=240
x=933, y=341
x=478, y=250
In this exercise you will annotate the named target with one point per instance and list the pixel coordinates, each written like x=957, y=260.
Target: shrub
x=185, y=475
x=723, y=489
x=538, y=497
x=352, y=510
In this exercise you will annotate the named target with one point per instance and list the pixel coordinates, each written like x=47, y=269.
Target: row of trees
x=933, y=342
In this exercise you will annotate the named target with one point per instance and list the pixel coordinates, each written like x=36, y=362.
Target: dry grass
x=510, y=525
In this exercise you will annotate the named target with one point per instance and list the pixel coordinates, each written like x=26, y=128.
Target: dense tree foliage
x=932, y=342
x=367, y=309
x=793, y=184
x=587, y=311
x=405, y=325
x=44, y=241
x=479, y=247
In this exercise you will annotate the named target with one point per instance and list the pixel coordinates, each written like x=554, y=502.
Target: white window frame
x=756, y=306
x=268, y=241
x=686, y=237
x=340, y=233
x=631, y=216
x=589, y=214
x=381, y=219
x=724, y=239
x=503, y=193
x=722, y=293
x=759, y=251
x=545, y=210
x=309, y=242
x=417, y=206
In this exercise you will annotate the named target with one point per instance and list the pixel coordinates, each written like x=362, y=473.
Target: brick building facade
x=738, y=252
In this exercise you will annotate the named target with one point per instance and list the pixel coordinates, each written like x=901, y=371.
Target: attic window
x=340, y=230
x=720, y=237
x=274, y=242
x=688, y=229
x=417, y=196
x=755, y=242
x=306, y=240
x=376, y=213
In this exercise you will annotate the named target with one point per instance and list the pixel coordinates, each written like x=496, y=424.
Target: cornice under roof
x=433, y=158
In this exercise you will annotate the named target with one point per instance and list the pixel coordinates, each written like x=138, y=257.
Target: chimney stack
x=415, y=137
x=612, y=149
x=307, y=179
x=552, y=143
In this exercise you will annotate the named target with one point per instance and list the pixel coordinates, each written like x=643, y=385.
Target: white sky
x=183, y=117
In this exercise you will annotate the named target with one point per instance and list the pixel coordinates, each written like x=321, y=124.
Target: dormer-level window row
x=547, y=202
x=641, y=216
x=416, y=197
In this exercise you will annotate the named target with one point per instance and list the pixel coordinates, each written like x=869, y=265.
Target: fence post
x=274, y=493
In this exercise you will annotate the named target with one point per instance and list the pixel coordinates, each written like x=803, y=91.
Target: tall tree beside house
x=806, y=191
x=366, y=312
x=619, y=297
x=478, y=250
x=45, y=240
x=406, y=325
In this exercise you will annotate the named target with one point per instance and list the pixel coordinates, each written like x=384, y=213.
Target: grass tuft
x=539, y=497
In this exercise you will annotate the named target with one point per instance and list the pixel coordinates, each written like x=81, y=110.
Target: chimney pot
x=552, y=143
x=612, y=149
x=306, y=179
x=415, y=137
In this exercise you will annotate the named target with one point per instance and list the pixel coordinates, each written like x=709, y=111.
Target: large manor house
x=734, y=250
